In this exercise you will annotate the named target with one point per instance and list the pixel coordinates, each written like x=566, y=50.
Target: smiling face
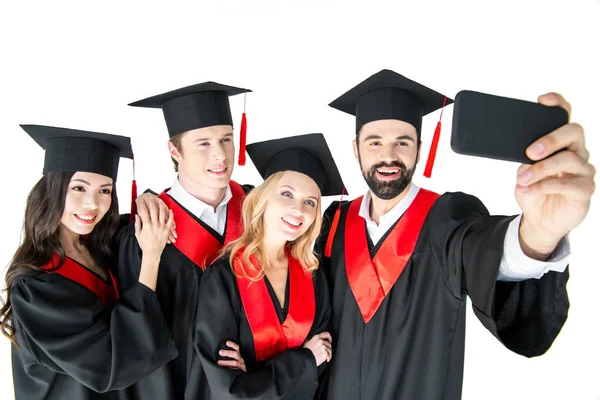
x=388, y=153
x=205, y=156
x=292, y=207
x=87, y=200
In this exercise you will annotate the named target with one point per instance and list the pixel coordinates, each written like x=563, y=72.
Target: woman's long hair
x=253, y=212
x=44, y=210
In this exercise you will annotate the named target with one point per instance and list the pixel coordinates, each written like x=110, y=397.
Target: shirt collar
x=396, y=212
x=194, y=205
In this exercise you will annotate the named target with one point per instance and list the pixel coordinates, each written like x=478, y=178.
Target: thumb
x=138, y=225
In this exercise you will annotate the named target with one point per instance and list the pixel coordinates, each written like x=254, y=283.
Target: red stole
x=197, y=243
x=270, y=336
x=72, y=270
x=372, y=279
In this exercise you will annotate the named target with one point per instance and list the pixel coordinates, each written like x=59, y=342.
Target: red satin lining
x=270, y=336
x=197, y=243
x=107, y=293
x=235, y=226
x=372, y=279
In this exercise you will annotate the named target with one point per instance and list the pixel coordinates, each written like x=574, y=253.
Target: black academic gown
x=72, y=346
x=177, y=290
x=290, y=374
x=413, y=345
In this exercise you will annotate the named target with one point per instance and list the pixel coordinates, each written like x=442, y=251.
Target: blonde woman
x=265, y=297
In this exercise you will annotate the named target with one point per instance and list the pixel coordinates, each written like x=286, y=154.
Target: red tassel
x=334, y=225
x=133, y=210
x=242, y=156
x=433, y=150
x=133, y=197
x=434, y=144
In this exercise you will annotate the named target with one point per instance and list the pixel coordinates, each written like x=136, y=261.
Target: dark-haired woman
x=73, y=336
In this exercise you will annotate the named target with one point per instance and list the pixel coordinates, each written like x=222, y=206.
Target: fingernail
x=221, y=352
x=526, y=176
x=537, y=148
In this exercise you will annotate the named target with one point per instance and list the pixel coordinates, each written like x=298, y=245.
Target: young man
x=207, y=210
x=403, y=259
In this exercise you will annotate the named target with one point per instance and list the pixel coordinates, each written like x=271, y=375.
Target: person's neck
x=208, y=195
x=380, y=207
x=274, y=250
x=70, y=241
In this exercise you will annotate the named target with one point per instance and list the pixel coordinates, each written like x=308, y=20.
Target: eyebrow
x=310, y=197
x=403, y=137
x=87, y=183
x=208, y=138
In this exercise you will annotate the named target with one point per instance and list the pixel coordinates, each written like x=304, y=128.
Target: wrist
x=151, y=256
x=536, y=243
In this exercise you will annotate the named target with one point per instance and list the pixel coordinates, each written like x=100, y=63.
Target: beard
x=387, y=190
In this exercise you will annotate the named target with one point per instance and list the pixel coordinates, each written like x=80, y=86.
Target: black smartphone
x=502, y=128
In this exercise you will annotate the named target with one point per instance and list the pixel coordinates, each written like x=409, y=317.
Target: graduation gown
x=181, y=266
x=270, y=338
x=76, y=339
x=404, y=337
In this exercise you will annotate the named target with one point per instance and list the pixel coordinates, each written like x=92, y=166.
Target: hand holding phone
x=490, y=126
x=554, y=186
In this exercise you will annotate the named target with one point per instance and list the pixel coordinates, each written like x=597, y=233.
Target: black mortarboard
x=75, y=150
x=307, y=154
x=389, y=95
x=192, y=107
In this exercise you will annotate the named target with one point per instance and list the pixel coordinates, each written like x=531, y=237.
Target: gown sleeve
x=525, y=316
x=67, y=330
x=322, y=312
x=129, y=257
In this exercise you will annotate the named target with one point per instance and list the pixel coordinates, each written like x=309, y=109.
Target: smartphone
x=501, y=128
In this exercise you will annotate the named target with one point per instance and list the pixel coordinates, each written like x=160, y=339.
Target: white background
x=78, y=65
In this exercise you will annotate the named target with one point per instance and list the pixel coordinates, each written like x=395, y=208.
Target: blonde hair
x=253, y=212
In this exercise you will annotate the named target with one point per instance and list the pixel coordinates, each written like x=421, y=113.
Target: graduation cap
x=76, y=150
x=389, y=95
x=307, y=154
x=198, y=106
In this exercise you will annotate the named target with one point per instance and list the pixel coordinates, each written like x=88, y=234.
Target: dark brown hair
x=43, y=212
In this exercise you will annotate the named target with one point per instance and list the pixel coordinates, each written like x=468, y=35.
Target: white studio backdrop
x=77, y=65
